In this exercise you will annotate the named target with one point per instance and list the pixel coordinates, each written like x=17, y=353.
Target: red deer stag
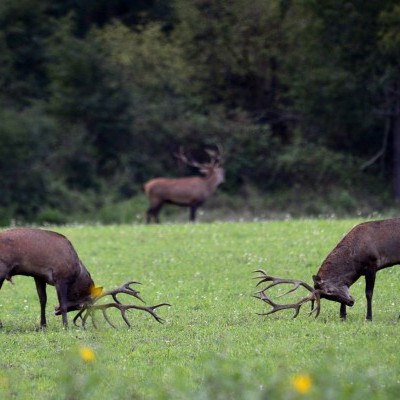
x=366, y=249
x=191, y=191
x=50, y=258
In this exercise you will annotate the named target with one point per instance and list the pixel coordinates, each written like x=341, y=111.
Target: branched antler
x=125, y=288
x=313, y=297
x=89, y=310
x=188, y=161
x=215, y=158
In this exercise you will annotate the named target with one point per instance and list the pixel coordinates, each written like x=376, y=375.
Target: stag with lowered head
x=50, y=258
x=366, y=249
x=189, y=192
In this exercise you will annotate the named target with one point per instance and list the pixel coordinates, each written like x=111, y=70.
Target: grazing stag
x=191, y=191
x=50, y=258
x=366, y=249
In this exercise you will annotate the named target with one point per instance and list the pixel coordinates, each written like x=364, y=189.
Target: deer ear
x=96, y=291
x=317, y=279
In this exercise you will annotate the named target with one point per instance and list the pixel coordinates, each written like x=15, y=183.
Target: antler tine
x=125, y=307
x=317, y=308
x=296, y=286
x=214, y=158
x=264, y=276
x=215, y=155
x=125, y=288
x=150, y=310
x=83, y=315
x=79, y=315
x=182, y=157
x=278, y=307
x=275, y=307
x=314, y=296
x=90, y=312
x=276, y=281
x=89, y=309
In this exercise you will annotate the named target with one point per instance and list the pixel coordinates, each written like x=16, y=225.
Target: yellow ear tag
x=96, y=291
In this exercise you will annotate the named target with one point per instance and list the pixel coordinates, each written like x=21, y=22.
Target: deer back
x=369, y=245
x=44, y=254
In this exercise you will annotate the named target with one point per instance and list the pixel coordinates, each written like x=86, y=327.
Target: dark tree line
x=97, y=95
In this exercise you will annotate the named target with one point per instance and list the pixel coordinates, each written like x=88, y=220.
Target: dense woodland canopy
x=97, y=95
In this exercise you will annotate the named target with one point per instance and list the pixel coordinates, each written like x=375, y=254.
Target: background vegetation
x=95, y=98
x=213, y=344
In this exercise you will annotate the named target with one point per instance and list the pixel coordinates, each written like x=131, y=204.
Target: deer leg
x=193, y=210
x=369, y=291
x=62, y=289
x=155, y=214
x=153, y=211
x=1, y=284
x=343, y=313
x=41, y=290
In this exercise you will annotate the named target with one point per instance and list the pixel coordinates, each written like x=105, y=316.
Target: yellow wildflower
x=302, y=383
x=87, y=354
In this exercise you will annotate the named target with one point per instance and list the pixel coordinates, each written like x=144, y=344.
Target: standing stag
x=366, y=249
x=189, y=192
x=50, y=258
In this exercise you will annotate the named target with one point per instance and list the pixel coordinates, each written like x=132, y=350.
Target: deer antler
x=216, y=156
x=125, y=288
x=314, y=296
x=182, y=157
x=89, y=309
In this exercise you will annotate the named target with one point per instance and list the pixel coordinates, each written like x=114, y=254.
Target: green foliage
x=23, y=29
x=87, y=93
x=213, y=344
x=236, y=51
x=25, y=142
x=329, y=96
x=389, y=33
x=296, y=164
x=149, y=61
x=100, y=96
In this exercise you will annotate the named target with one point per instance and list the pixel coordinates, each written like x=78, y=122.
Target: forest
x=97, y=96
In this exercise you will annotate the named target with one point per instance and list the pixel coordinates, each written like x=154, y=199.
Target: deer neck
x=211, y=182
x=339, y=268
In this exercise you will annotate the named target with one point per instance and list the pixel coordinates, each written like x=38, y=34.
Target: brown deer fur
x=49, y=258
x=190, y=192
x=365, y=250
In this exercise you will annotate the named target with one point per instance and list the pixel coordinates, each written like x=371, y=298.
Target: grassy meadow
x=213, y=345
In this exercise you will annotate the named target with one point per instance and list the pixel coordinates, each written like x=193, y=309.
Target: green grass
x=212, y=345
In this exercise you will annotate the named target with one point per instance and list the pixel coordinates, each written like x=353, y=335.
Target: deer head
x=75, y=299
x=333, y=291
x=213, y=167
